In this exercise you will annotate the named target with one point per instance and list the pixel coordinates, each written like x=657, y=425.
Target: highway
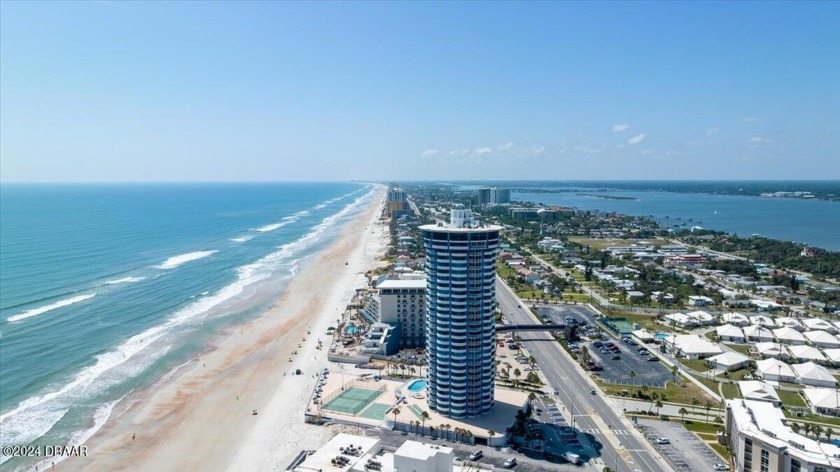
x=625, y=450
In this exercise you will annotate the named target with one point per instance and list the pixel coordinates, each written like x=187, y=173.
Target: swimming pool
x=351, y=329
x=661, y=336
x=417, y=385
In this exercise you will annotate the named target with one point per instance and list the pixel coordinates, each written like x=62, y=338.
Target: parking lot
x=650, y=373
x=685, y=452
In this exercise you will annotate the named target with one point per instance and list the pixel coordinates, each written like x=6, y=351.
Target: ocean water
x=813, y=222
x=105, y=289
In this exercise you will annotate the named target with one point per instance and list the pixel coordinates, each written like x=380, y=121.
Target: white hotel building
x=403, y=300
x=761, y=441
x=460, y=314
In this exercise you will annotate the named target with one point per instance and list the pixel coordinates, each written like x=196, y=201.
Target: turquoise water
x=660, y=336
x=351, y=329
x=107, y=288
x=417, y=385
x=813, y=222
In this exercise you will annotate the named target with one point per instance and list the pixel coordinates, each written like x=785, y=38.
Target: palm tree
x=658, y=405
x=424, y=416
x=491, y=433
x=632, y=375
x=694, y=403
x=395, y=411
x=707, y=406
x=516, y=374
x=817, y=429
x=829, y=433
x=531, y=397
x=806, y=428
x=674, y=371
x=682, y=413
x=531, y=361
x=795, y=427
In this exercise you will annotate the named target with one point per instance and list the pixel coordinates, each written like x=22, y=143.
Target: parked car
x=476, y=455
x=721, y=467
x=593, y=391
x=510, y=462
x=663, y=440
x=616, y=357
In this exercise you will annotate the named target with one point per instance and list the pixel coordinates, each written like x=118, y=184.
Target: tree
x=395, y=411
x=658, y=405
x=795, y=427
x=817, y=430
x=707, y=406
x=829, y=433
x=424, y=416
x=491, y=433
x=531, y=397
x=516, y=374
x=632, y=375
x=682, y=413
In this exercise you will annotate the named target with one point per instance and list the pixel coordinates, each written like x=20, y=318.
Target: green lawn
x=696, y=364
x=673, y=393
x=742, y=348
x=721, y=449
x=789, y=398
x=699, y=427
x=731, y=391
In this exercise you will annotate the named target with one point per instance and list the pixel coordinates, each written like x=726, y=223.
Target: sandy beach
x=201, y=419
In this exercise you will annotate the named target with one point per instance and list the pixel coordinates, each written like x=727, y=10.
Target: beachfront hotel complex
x=460, y=314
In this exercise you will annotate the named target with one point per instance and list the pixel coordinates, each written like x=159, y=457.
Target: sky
x=271, y=91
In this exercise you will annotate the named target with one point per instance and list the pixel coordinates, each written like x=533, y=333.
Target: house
x=806, y=353
x=833, y=356
x=812, y=374
x=680, y=319
x=529, y=275
x=789, y=336
x=762, y=320
x=699, y=300
x=728, y=361
x=818, y=324
x=775, y=370
x=643, y=336
x=735, y=319
x=770, y=349
x=759, y=391
x=823, y=401
x=788, y=322
x=765, y=305
x=822, y=339
x=702, y=318
x=635, y=295
x=730, y=333
x=691, y=346
x=756, y=333
x=663, y=296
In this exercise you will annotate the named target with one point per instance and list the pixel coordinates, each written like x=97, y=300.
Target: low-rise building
x=806, y=353
x=812, y=374
x=833, y=356
x=730, y=333
x=699, y=300
x=735, y=319
x=351, y=453
x=822, y=339
x=728, y=360
x=770, y=349
x=789, y=336
x=823, y=401
x=691, y=346
x=759, y=391
x=757, y=333
x=819, y=324
x=775, y=370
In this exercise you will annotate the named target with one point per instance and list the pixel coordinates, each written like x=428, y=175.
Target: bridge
x=530, y=327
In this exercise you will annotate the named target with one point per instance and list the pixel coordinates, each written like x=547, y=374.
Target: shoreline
x=200, y=417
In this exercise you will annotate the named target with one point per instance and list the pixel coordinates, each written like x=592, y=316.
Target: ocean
x=107, y=289
x=813, y=222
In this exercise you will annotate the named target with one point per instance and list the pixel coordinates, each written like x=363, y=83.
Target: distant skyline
x=271, y=91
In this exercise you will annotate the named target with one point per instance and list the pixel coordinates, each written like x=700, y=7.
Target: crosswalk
x=618, y=432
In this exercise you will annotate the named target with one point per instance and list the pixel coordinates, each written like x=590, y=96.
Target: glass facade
x=460, y=318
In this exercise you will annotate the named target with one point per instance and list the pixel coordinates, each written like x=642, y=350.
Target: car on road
x=663, y=440
x=616, y=357
x=476, y=455
x=721, y=467
x=593, y=391
x=510, y=463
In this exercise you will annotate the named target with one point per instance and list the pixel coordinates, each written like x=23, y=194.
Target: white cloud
x=648, y=152
x=637, y=139
x=482, y=151
x=620, y=127
x=588, y=149
x=536, y=150
x=759, y=142
x=429, y=153
x=506, y=146
x=712, y=131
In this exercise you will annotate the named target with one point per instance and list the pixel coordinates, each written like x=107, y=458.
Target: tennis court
x=418, y=412
x=353, y=400
x=376, y=411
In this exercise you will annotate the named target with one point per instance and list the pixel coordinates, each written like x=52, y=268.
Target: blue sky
x=154, y=91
